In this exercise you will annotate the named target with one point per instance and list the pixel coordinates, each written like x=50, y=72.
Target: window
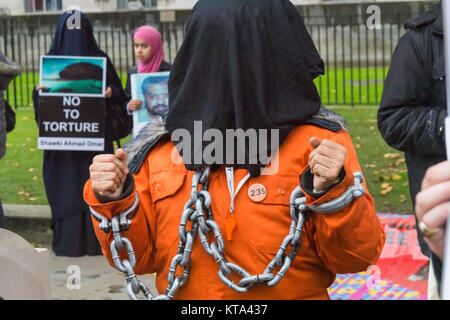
x=151, y=3
x=43, y=5
x=53, y=5
x=123, y=4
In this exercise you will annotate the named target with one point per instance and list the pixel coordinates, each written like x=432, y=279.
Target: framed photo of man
x=152, y=89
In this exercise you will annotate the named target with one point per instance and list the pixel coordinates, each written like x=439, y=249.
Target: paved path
x=99, y=281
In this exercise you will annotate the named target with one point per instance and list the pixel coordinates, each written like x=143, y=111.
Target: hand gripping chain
x=198, y=210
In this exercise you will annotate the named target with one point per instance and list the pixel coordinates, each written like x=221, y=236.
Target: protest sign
x=71, y=123
x=72, y=103
x=152, y=89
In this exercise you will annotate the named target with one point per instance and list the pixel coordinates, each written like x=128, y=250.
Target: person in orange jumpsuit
x=228, y=245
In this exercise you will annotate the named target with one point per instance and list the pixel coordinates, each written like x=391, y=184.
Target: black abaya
x=66, y=172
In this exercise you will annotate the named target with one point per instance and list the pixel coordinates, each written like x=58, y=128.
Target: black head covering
x=426, y=18
x=81, y=42
x=77, y=41
x=244, y=64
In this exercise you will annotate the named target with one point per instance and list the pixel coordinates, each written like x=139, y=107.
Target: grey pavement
x=98, y=280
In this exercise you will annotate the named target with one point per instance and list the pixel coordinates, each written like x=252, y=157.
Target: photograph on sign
x=152, y=89
x=72, y=76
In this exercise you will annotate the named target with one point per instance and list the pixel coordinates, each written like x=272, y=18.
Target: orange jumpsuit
x=348, y=241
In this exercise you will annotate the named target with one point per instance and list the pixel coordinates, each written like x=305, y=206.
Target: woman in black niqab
x=66, y=172
x=244, y=64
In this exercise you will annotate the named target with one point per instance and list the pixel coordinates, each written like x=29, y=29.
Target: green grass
x=383, y=167
x=21, y=168
x=360, y=86
x=24, y=85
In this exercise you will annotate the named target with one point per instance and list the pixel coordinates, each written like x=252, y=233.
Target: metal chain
x=197, y=211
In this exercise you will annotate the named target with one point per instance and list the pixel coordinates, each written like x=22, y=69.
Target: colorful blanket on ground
x=401, y=273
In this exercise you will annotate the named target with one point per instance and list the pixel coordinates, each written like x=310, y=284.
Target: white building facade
x=42, y=7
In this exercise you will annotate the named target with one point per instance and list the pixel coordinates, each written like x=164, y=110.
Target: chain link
x=197, y=211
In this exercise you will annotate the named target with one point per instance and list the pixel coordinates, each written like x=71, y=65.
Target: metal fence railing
x=356, y=58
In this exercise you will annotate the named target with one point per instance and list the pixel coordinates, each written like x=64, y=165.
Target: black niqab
x=244, y=64
x=81, y=42
x=66, y=172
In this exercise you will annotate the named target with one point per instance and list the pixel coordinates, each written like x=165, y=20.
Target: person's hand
x=433, y=205
x=326, y=162
x=108, y=92
x=39, y=88
x=108, y=174
x=135, y=105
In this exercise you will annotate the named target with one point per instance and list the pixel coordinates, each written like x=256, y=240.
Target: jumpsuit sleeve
x=350, y=240
x=142, y=223
x=405, y=119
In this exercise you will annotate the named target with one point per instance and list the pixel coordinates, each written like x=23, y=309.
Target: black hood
x=426, y=18
x=244, y=64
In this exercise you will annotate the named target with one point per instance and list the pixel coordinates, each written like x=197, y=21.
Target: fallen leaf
x=386, y=191
x=383, y=178
x=386, y=185
x=31, y=170
x=392, y=155
x=396, y=177
x=403, y=198
x=32, y=199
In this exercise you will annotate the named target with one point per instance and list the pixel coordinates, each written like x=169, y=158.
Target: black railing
x=356, y=57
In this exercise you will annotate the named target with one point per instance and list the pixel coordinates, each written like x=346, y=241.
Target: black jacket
x=165, y=66
x=8, y=70
x=413, y=106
